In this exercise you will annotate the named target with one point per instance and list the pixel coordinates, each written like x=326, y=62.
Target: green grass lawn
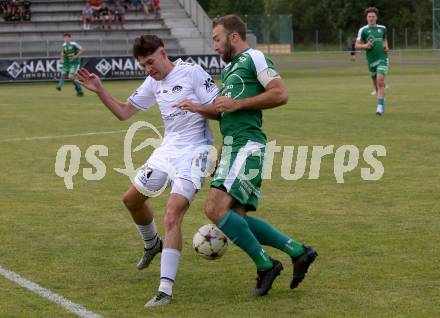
x=378, y=241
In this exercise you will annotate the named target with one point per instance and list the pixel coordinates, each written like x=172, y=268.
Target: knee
x=381, y=83
x=130, y=203
x=212, y=212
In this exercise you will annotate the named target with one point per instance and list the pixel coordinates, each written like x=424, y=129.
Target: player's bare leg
x=177, y=205
x=143, y=217
x=380, y=88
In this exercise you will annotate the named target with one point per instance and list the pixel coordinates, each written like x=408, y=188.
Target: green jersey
x=375, y=34
x=69, y=50
x=242, y=78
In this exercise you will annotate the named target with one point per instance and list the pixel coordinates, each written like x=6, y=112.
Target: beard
x=229, y=52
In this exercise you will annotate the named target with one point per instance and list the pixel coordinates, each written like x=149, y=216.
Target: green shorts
x=70, y=68
x=239, y=173
x=379, y=67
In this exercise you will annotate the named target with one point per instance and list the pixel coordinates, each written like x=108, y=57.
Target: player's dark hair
x=232, y=23
x=67, y=34
x=146, y=45
x=372, y=9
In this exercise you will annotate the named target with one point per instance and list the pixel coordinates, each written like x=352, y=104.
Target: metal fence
x=436, y=24
x=335, y=62
x=277, y=31
x=270, y=29
x=337, y=39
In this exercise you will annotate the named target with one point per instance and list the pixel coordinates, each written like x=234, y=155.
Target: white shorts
x=185, y=173
x=158, y=181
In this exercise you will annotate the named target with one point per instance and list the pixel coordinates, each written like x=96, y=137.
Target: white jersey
x=184, y=130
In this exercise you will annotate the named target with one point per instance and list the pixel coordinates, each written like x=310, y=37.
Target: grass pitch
x=377, y=240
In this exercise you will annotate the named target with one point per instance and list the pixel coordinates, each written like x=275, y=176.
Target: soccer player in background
x=71, y=63
x=249, y=84
x=171, y=164
x=373, y=39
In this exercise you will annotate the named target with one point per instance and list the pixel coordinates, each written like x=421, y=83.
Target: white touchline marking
x=96, y=133
x=46, y=293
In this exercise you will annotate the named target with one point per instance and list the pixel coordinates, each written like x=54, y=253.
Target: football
x=210, y=242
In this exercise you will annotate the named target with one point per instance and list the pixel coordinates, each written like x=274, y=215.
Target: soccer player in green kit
x=249, y=84
x=71, y=63
x=373, y=39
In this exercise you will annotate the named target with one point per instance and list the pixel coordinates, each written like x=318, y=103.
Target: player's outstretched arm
x=122, y=110
x=275, y=95
x=207, y=110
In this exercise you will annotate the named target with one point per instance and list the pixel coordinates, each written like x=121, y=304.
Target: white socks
x=169, y=263
x=148, y=234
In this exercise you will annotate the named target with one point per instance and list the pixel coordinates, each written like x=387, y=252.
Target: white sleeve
x=263, y=68
x=143, y=97
x=76, y=44
x=359, y=34
x=204, y=86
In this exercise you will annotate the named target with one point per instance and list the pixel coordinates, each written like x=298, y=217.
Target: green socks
x=77, y=87
x=381, y=101
x=60, y=83
x=237, y=229
x=268, y=235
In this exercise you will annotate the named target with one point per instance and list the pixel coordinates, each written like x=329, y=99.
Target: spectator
x=25, y=10
x=4, y=9
x=15, y=10
x=96, y=7
x=146, y=5
x=119, y=14
x=138, y=5
x=155, y=7
x=11, y=10
x=106, y=16
x=87, y=16
x=14, y=15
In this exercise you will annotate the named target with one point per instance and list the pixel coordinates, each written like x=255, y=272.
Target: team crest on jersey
x=242, y=58
x=380, y=31
x=177, y=89
x=209, y=85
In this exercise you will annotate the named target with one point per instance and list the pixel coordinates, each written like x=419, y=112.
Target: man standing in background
x=71, y=62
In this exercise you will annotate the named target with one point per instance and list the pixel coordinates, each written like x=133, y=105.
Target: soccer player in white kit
x=185, y=134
